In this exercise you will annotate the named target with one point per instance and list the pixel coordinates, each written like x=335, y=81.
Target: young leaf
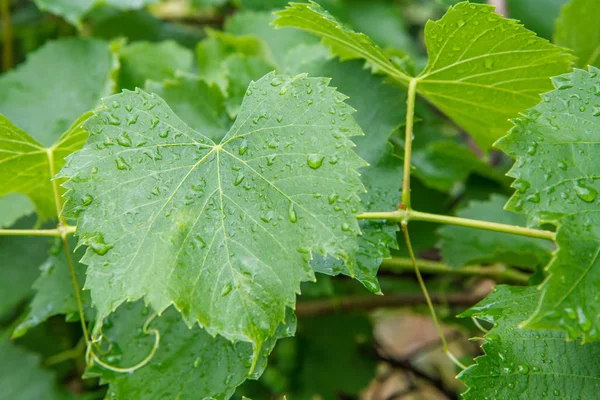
x=223, y=231
x=577, y=28
x=556, y=146
x=23, y=378
x=27, y=166
x=143, y=61
x=57, y=84
x=188, y=364
x=461, y=246
x=475, y=75
x=74, y=10
x=55, y=293
x=344, y=42
x=524, y=364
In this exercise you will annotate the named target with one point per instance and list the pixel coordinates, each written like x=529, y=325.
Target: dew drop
x=276, y=82
x=239, y=179
x=121, y=164
x=292, y=213
x=226, y=290
x=164, y=133
x=271, y=159
x=97, y=244
x=584, y=192
x=243, y=147
x=346, y=227
x=86, y=200
x=315, y=161
x=124, y=140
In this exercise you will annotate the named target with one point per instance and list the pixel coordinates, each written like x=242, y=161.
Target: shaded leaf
x=577, y=28
x=74, y=10
x=462, y=246
x=13, y=207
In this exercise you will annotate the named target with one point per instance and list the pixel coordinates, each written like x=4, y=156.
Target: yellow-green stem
x=436, y=322
x=38, y=232
x=408, y=137
x=412, y=215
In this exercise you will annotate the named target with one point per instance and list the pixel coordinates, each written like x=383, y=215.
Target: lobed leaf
x=577, y=29
x=223, y=231
x=556, y=146
x=525, y=364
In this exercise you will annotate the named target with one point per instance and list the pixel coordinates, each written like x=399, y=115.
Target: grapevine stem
x=76, y=287
x=498, y=272
x=410, y=116
x=436, y=322
x=7, y=36
x=412, y=215
x=38, y=232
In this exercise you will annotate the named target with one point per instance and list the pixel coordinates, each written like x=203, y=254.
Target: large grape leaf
x=525, y=364
x=577, y=28
x=55, y=294
x=13, y=207
x=23, y=378
x=27, y=166
x=482, y=69
x=223, y=231
x=20, y=258
x=57, y=83
x=143, y=61
x=557, y=146
x=190, y=363
x=74, y=10
x=461, y=246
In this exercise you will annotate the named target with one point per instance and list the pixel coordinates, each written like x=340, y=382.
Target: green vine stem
x=408, y=138
x=497, y=272
x=58, y=232
x=412, y=215
x=7, y=36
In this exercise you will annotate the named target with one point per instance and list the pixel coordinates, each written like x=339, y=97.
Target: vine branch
x=412, y=215
x=497, y=272
x=410, y=117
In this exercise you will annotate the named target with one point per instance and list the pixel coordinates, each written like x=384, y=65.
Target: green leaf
x=343, y=42
x=536, y=15
x=380, y=109
x=27, y=166
x=21, y=258
x=152, y=61
x=188, y=364
x=13, y=207
x=23, y=378
x=556, y=146
x=524, y=364
x=470, y=67
x=57, y=84
x=577, y=28
x=199, y=104
x=462, y=246
x=55, y=294
x=484, y=69
x=74, y=10
x=223, y=231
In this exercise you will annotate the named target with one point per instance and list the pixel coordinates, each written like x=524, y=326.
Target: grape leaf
x=57, y=84
x=156, y=200
x=55, y=293
x=380, y=109
x=525, y=364
x=13, y=207
x=199, y=104
x=469, y=67
x=343, y=41
x=191, y=364
x=143, y=61
x=556, y=146
x=20, y=258
x=27, y=166
x=461, y=246
x=74, y=10
x=577, y=28
x=23, y=378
